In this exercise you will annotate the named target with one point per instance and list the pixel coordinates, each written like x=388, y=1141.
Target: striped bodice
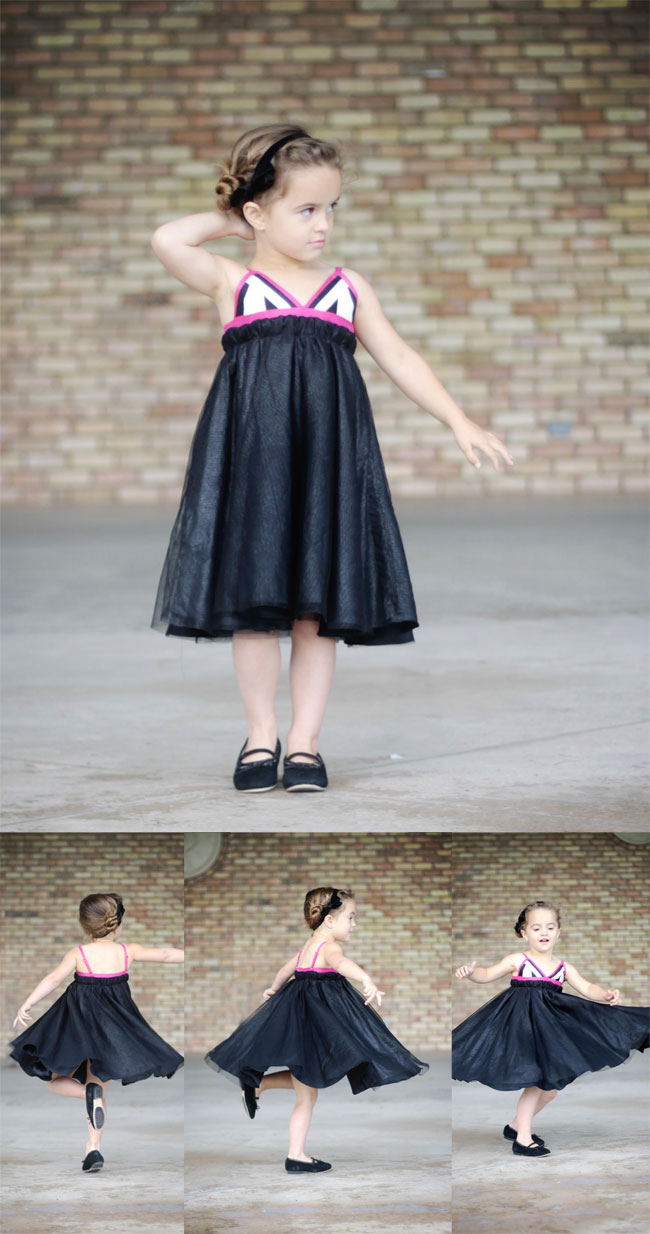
x=258, y=296
x=528, y=971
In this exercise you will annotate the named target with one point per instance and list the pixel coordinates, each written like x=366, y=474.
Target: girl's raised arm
x=282, y=976
x=509, y=964
x=46, y=986
x=178, y=246
x=334, y=958
x=589, y=989
x=161, y=955
x=413, y=376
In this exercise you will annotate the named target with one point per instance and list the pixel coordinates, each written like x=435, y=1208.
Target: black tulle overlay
x=95, y=1018
x=286, y=510
x=319, y=1028
x=533, y=1034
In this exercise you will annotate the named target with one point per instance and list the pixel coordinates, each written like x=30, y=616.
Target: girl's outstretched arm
x=509, y=964
x=413, y=376
x=589, y=989
x=163, y=955
x=282, y=976
x=334, y=958
x=46, y=986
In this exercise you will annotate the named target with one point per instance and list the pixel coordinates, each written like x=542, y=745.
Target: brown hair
x=319, y=899
x=247, y=151
x=523, y=916
x=100, y=914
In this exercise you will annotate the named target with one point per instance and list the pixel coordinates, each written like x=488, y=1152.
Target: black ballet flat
x=509, y=1133
x=304, y=777
x=306, y=1167
x=249, y=1099
x=94, y=1107
x=530, y=1150
x=92, y=1162
x=257, y=777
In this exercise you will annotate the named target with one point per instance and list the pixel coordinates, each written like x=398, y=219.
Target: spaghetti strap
x=317, y=951
x=126, y=958
x=85, y=960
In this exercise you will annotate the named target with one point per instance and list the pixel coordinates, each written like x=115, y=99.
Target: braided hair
x=321, y=901
x=99, y=914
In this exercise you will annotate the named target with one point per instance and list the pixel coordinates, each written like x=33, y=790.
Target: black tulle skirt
x=95, y=1018
x=533, y=1034
x=286, y=509
x=319, y=1028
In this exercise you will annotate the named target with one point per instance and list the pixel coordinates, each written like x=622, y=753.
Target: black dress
x=320, y=1029
x=95, y=1018
x=533, y=1034
x=286, y=509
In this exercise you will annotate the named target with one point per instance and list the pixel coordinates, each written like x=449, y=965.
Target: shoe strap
x=302, y=754
x=260, y=750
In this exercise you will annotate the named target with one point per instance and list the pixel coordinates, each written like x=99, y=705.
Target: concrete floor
x=596, y=1178
x=389, y=1151
x=522, y=704
x=139, y=1190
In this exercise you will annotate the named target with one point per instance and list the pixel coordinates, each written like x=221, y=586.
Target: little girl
x=317, y=1026
x=286, y=524
x=532, y=1036
x=94, y=1032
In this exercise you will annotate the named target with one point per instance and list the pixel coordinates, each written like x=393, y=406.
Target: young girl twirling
x=317, y=1026
x=94, y=1032
x=532, y=1035
x=286, y=524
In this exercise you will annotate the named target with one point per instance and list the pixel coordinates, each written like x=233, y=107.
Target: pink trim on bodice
x=311, y=968
x=295, y=308
x=542, y=976
x=90, y=972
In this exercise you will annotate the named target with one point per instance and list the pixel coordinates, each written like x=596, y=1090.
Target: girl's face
x=344, y=921
x=541, y=930
x=292, y=224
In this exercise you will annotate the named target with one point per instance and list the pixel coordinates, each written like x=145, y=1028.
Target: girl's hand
x=371, y=991
x=465, y=969
x=239, y=226
x=269, y=993
x=470, y=435
x=23, y=1017
x=612, y=997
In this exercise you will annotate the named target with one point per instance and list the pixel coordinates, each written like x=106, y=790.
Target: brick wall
x=494, y=197
x=244, y=919
x=44, y=878
x=599, y=884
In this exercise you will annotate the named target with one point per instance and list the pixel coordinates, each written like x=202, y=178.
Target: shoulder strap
x=317, y=951
x=85, y=960
x=126, y=958
x=299, y=955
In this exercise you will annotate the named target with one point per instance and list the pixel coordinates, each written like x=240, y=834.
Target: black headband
x=263, y=177
x=333, y=903
x=120, y=906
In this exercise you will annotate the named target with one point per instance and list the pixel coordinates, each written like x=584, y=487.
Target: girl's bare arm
x=589, y=989
x=509, y=964
x=178, y=246
x=48, y=984
x=162, y=955
x=334, y=958
x=282, y=976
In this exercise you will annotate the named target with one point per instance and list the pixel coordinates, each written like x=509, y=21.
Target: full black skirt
x=95, y=1018
x=286, y=509
x=534, y=1034
x=319, y=1028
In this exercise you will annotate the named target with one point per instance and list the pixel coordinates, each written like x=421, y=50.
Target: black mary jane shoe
x=249, y=1099
x=530, y=1150
x=302, y=777
x=260, y=776
x=306, y=1167
x=509, y=1133
x=94, y=1107
x=92, y=1162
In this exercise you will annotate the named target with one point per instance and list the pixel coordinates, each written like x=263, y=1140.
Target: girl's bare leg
x=65, y=1086
x=542, y=1100
x=528, y=1106
x=257, y=661
x=301, y=1119
x=311, y=670
x=95, y=1133
x=277, y=1079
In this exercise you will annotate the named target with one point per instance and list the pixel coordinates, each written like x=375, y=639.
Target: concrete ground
x=596, y=1178
x=139, y=1190
x=389, y=1151
x=522, y=704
